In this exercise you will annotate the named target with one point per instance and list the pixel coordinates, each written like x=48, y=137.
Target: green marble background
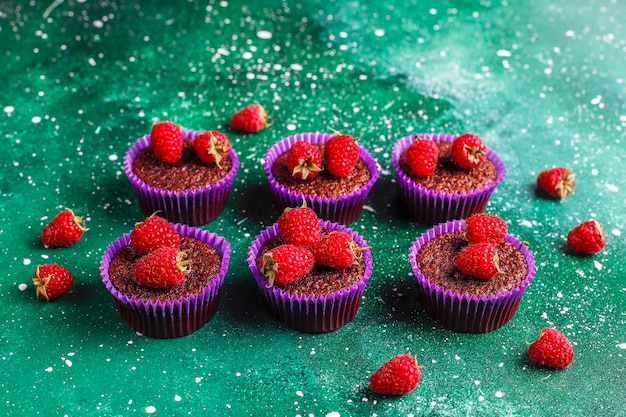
x=542, y=82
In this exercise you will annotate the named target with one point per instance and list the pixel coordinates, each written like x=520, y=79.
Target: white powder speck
x=150, y=409
x=598, y=265
x=198, y=380
x=296, y=67
x=177, y=397
x=477, y=383
x=594, y=172
x=48, y=369
x=499, y=394
x=26, y=261
x=457, y=357
x=22, y=287
x=481, y=399
x=611, y=187
x=68, y=363
x=503, y=52
x=299, y=394
x=9, y=109
x=615, y=232
x=526, y=223
x=333, y=414
x=622, y=346
x=264, y=34
x=291, y=127
x=113, y=157
x=36, y=119
x=379, y=32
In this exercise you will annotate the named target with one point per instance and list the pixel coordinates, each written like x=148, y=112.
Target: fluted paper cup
x=343, y=209
x=462, y=312
x=169, y=319
x=429, y=207
x=310, y=313
x=194, y=207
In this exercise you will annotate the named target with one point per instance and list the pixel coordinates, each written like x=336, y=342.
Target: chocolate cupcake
x=168, y=312
x=321, y=301
x=188, y=191
x=462, y=303
x=336, y=199
x=450, y=192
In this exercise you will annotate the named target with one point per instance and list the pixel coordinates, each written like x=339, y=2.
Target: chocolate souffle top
x=323, y=184
x=189, y=173
x=321, y=280
x=204, y=267
x=436, y=261
x=448, y=177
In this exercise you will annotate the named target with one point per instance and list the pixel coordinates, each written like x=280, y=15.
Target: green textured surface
x=541, y=82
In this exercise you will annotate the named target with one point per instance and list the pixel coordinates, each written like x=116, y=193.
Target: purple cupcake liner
x=430, y=207
x=343, y=209
x=169, y=319
x=462, y=312
x=193, y=207
x=310, y=313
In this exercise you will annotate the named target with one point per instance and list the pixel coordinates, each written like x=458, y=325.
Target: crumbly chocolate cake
x=448, y=177
x=188, y=173
x=321, y=280
x=436, y=261
x=204, y=267
x=323, y=184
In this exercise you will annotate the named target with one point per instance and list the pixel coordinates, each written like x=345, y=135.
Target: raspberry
x=341, y=154
x=166, y=139
x=479, y=261
x=336, y=250
x=250, y=119
x=558, y=182
x=162, y=268
x=51, y=281
x=304, y=161
x=485, y=228
x=212, y=147
x=65, y=229
x=587, y=238
x=552, y=349
x=398, y=376
x=422, y=156
x=468, y=151
x=153, y=233
x=285, y=264
x=300, y=226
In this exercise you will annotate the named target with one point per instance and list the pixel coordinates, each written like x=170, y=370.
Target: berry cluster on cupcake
x=185, y=175
x=166, y=278
x=332, y=173
x=443, y=177
x=311, y=272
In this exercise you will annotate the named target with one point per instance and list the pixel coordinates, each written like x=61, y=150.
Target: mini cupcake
x=324, y=299
x=168, y=312
x=450, y=192
x=189, y=190
x=460, y=302
x=338, y=199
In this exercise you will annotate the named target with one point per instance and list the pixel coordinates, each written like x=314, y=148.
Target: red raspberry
x=250, y=119
x=341, y=154
x=551, y=348
x=398, y=376
x=300, y=226
x=485, y=228
x=64, y=230
x=166, y=139
x=337, y=250
x=422, y=156
x=479, y=261
x=587, y=238
x=304, y=161
x=285, y=264
x=468, y=151
x=558, y=182
x=51, y=281
x=161, y=268
x=153, y=233
x=212, y=147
